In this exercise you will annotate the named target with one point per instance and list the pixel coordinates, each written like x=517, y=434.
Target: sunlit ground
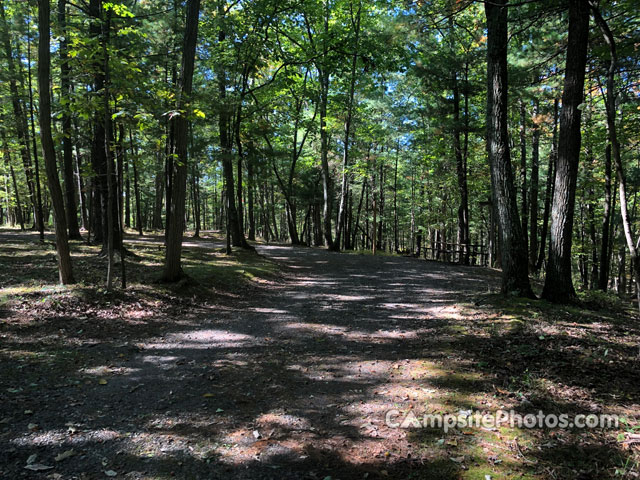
x=250, y=373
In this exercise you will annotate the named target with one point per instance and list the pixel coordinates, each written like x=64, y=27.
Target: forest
x=235, y=235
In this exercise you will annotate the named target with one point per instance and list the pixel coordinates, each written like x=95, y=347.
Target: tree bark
x=67, y=152
x=551, y=176
x=136, y=187
x=515, y=272
x=558, y=286
x=19, y=114
x=533, y=191
x=7, y=161
x=175, y=222
x=46, y=139
x=39, y=216
x=340, y=224
x=461, y=169
x=605, y=256
x=523, y=171
x=610, y=102
x=226, y=140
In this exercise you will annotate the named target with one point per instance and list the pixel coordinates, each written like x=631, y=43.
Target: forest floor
x=283, y=364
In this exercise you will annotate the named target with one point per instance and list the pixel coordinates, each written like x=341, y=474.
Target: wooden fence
x=455, y=252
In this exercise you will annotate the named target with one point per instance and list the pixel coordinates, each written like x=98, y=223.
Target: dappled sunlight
x=103, y=370
x=201, y=339
x=300, y=379
x=71, y=436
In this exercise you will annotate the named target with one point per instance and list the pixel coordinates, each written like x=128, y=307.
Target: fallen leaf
x=38, y=467
x=65, y=455
x=208, y=395
x=102, y=381
x=110, y=473
x=32, y=459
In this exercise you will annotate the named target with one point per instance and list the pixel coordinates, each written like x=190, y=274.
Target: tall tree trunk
x=19, y=114
x=250, y=193
x=175, y=222
x=127, y=194
x=396, y=245
x=99, y=160
x=67, y=149
x=461, y=168
x=551, y=178
x=355, y=26
x=82, y=199
x=195, y=188
x=39, y=216
x=594, y=277
x=7, y=161
x=515, y=272
x=558, y=286
x=44, y=74
x=533, y=191
x=136, y=187
x=156, y=221
x=610, y=102
x=111, y=190
x=324, y=160
x=523, y=171
x=239, y=169
x=226, y=141
x=605, y=255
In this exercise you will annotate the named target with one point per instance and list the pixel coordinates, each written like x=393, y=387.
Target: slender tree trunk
x=195, y=188
x=551, y=176
x=81, y=186
x=355, y=24
x=558, y=285
x=239, y=163
x=7, y=161
x=461, y=168
x=156, y=222
x=111, y=190
x=396, y=245
x=44, y=74
x=250, y=192
x=594, y=277
x=175, y=222
x=523, y=171
x=324, y=159
x=515, y=272
x=605, y=256
x=19, y=115
x=67, y=149
x=136, y=187
x=127, y=203
x=610, y=102
x=533, y=191
x=39, y=216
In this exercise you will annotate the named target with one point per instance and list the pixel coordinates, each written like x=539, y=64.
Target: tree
x=515, y=272
x=614, y=144
x=48, y=150
x=70, y=193
x=175, y=222
x=558, y=286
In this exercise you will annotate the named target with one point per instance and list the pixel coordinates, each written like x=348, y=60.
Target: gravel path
x=292, y=381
